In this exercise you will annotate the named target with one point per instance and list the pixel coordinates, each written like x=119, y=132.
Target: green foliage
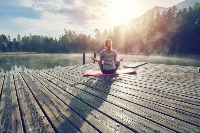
x=169, y=32
x=174, y=32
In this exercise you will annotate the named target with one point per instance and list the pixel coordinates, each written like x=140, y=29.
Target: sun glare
x=121, y=11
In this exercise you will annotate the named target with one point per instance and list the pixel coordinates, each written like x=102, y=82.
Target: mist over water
x=24, y=62
x=172, y=60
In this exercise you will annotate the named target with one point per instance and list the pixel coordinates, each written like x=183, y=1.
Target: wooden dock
x=159, y=98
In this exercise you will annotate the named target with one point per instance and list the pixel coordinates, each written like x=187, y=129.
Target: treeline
x=70, y=42
x=170, y=32
x=174, y=31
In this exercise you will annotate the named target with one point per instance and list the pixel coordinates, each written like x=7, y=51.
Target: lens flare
x=120, y=11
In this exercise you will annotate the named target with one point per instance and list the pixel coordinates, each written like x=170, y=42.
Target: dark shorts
x=104, y=71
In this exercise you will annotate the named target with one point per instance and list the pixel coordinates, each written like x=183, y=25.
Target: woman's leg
x=109, y=71
x=117, y=66
x=106, y=71
x=101, y=67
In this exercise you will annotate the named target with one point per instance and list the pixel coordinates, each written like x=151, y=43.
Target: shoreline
x=16, y=53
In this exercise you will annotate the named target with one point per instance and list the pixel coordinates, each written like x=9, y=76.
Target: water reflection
x=16, y=63
x=24, y=62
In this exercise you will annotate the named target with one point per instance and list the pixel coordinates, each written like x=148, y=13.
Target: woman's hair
x=108, y=44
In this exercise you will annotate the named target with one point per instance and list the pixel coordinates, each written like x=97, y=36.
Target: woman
x=107, y=62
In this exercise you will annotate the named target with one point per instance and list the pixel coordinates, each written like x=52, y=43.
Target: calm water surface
x=24, y=62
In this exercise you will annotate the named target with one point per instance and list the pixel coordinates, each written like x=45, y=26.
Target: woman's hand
x=119, y=60
x=122, y=59
x=92, y=58
x=96, y=60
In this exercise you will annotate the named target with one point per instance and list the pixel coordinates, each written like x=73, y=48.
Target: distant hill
x=186, y=4
x=145, y=15
x=181, y=5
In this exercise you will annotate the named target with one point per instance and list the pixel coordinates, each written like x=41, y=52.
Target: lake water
x=24, y=62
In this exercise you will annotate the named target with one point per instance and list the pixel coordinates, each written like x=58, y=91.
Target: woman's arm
x=99, y=61
x=119, y=60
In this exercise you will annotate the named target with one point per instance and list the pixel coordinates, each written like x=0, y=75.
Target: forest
x=169, y=32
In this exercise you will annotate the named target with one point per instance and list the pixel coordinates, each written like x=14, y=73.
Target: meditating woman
x=107, y=62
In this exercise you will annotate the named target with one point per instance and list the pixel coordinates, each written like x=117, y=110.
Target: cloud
x=77, y=15
x=48, y=25
x=69, y=2
x=96, y=3
x=26, y=3
x=50, y=17
x=78, y=12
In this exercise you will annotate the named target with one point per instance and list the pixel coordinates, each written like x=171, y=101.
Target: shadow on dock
x=85, y=103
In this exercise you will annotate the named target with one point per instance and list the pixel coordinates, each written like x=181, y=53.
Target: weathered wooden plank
x=167, y=87
x=143, y=87
x=9, y=108
x=140, y=110
x=192, y=117
x=172, y=122
x=46, y=87
x=99, y=120
x=131, y=119
x=159, y=98
x=115, y=112
x=171, y=83
x=159, y=94
x=33, y=117
x=55, y=117
x=154, y=83
x=140, y=84
x=147, y=112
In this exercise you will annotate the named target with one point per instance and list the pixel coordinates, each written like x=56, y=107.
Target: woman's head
x=108, y=44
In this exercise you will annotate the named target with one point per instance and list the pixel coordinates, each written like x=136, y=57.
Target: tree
x=158, y=20
x=17, y=47
x=151, y=25
x=11, y=47
x=4, y=43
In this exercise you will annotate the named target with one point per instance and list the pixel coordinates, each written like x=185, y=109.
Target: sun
x=121, y=11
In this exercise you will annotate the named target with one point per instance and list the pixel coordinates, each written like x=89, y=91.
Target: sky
x=53, y=17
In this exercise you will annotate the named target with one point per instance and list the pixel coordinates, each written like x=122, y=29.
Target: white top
x=108, y=58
